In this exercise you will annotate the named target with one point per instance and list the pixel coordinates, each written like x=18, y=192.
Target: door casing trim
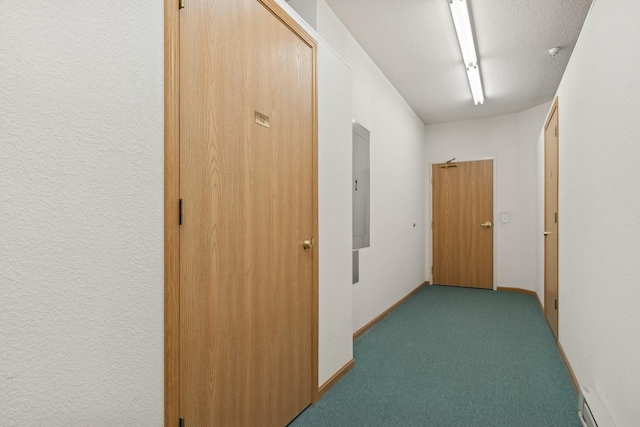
x=171, y=213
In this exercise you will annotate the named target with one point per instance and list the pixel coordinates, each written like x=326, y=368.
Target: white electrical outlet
x=504, y=218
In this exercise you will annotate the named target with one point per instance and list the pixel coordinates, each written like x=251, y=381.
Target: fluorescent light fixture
x=462, y=22
x=473, y=74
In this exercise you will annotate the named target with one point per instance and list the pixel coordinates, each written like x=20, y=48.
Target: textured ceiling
x=414, y=43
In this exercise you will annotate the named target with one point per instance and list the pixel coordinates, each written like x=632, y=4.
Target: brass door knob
x=487, y=224
x=307, y=244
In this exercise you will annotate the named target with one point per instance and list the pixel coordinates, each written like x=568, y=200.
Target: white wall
x=335, y=224
x=599, y=202
x=394, y=264
x=530, y=232
x=510, y=139
x=81, y=223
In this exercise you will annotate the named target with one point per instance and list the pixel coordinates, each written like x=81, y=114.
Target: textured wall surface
x=510, y=139
x=335, y=221
x=394, y=264
x=599, y=131
x=81, y=190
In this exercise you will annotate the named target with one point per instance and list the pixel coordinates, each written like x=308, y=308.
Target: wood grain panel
x=247, y=287
x=171, y=226
x=551, y=133
x=289, y=99
x=462, y=200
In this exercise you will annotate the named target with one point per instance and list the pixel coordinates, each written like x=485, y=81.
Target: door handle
x=546, y=233
x=307, y=244
x=487, y=224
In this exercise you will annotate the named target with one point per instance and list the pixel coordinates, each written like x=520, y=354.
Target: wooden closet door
x=246, y=141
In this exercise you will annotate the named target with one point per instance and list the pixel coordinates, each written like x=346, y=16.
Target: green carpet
x=453, y=357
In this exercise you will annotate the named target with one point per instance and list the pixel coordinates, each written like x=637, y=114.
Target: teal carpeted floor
x=453, y=357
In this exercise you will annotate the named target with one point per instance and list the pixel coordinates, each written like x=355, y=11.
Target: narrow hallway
x=454, y=357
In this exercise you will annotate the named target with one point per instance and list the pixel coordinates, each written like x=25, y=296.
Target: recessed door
x=551, y=221
x=463, y=224
x=246, y=242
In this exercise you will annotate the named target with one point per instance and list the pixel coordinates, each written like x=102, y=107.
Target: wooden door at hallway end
x=463, y=224
x=551, y=220
x=247, y=165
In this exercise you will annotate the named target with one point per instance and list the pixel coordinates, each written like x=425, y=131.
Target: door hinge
x=556, y=217
x=431, y=180
x=181, y=422
x=180, y=4
x=556, y=126
x=555, y=303
x=181, y=211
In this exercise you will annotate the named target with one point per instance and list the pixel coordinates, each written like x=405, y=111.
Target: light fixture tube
x=473, y=74
x=462, y=22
